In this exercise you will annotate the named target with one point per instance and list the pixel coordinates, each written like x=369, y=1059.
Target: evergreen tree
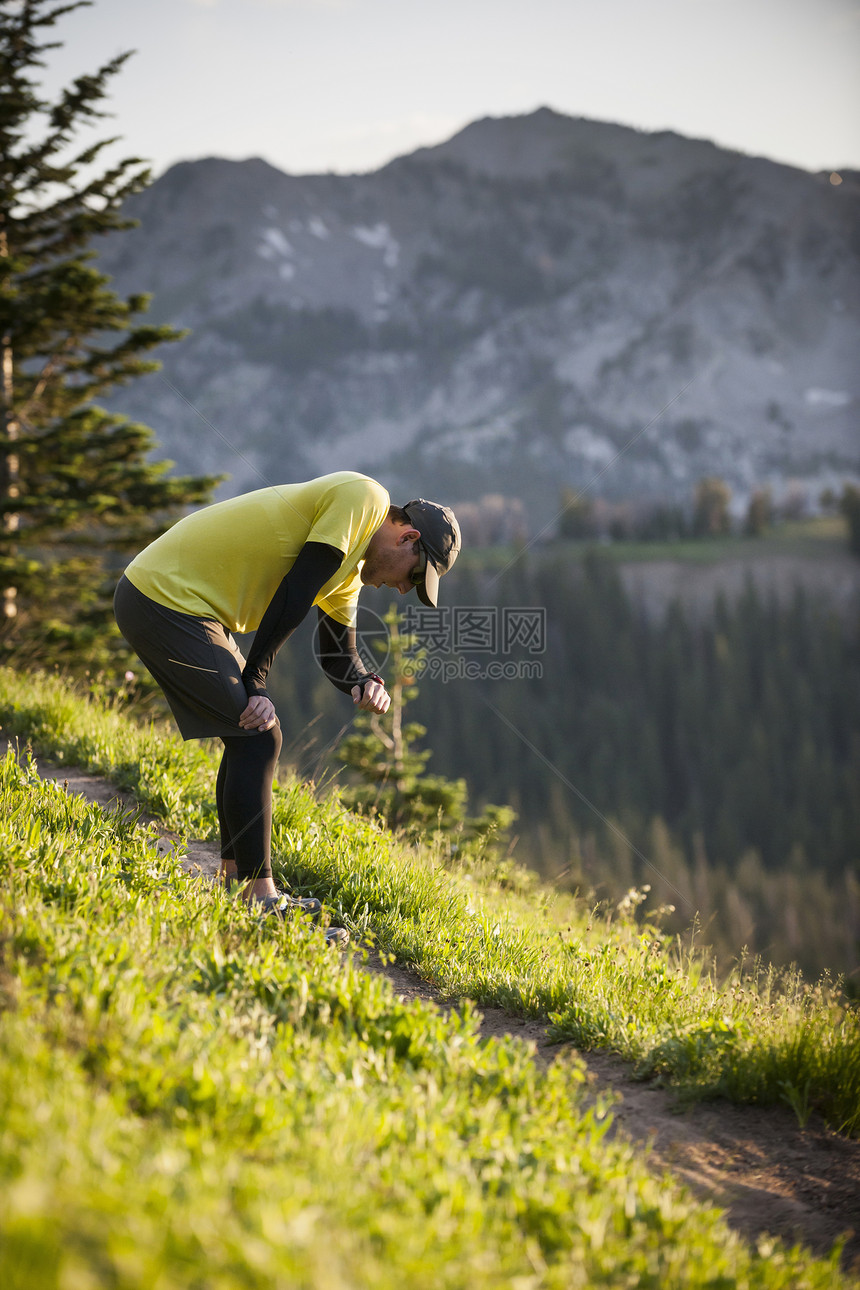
x=711, y=507
x=576, y=519
x=76, y=489
x=759, y=513
x=392, y=780
x=850, y=506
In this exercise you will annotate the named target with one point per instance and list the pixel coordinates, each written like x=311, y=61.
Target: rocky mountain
x=541, y=301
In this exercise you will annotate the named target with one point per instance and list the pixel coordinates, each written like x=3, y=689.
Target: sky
x=345, y=85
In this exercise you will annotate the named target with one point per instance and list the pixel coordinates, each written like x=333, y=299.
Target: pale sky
x=345, y=85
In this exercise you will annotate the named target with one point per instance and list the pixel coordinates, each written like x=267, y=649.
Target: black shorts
x=196, y=662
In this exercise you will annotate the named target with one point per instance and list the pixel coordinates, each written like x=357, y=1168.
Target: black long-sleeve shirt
x=336, y=651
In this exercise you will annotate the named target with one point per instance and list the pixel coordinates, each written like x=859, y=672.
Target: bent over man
x=258, y=562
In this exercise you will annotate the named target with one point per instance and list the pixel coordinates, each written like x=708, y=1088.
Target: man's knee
x=265, y=745
x=262, y=747
x=276, y=737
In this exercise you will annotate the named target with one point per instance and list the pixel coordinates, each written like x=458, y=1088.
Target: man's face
x=391, y=557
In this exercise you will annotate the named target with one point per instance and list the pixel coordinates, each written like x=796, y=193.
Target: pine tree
x=759, y=513
x=850, y=507
x=711, y=515
x=576, y=517
x=76, y=489
x=392, y=779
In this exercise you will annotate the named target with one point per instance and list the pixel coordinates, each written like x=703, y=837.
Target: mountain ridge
x=537, y=302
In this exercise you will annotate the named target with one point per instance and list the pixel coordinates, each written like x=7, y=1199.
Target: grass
x=493, y=935
x=194, y=1099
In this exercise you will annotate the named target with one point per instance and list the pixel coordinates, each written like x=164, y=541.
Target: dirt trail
x=770, y=1176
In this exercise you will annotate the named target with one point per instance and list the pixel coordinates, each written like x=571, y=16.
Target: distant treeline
x=709, y=511
x=717, y=760
x=726, y=752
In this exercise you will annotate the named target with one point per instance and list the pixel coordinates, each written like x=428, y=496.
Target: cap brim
x=428, y=590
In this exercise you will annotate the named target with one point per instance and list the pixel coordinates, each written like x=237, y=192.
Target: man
x=258, y=562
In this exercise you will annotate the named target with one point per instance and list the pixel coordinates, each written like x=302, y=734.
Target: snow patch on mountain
x=273, y=243
x=379, y=238
x=827, y=398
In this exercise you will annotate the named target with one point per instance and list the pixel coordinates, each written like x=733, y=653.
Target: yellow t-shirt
x=227, y=561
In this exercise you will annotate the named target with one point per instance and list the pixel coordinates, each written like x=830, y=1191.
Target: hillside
x=773, y=1176
x=206, y=1098
x=507, y=312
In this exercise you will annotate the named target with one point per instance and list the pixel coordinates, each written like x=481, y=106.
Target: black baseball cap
x=439, y=543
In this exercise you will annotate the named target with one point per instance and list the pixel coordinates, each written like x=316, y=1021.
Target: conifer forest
x=713, y=757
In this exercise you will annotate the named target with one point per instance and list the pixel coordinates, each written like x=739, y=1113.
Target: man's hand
x=373, y=698
x=259, y=714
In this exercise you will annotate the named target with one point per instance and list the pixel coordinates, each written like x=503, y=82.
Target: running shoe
x=283, y=905
x=302, y=904
x=299, y=904
x=337, y=936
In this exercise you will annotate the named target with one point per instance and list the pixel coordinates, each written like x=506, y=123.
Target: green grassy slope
x=193, y=1099
x=496, y=937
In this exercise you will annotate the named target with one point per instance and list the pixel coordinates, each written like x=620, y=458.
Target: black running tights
x=244, y=798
